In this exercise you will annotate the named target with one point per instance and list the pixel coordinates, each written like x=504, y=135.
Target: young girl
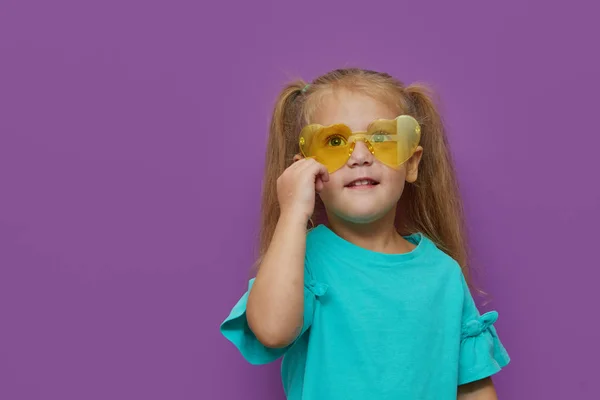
x=373, y=302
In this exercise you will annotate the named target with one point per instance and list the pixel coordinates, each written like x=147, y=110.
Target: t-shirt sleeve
x=481, y=352
x=235, y=327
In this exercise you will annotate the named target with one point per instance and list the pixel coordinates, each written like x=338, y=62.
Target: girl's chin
x=360, y=216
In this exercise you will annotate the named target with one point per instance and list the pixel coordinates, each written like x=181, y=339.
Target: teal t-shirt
x=379, y=326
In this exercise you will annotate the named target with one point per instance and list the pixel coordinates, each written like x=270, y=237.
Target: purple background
x=131, y=151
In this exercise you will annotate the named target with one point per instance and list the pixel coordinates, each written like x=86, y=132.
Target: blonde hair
x=431, y=205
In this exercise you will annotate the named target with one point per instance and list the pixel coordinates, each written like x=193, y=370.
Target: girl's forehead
x=355, y=109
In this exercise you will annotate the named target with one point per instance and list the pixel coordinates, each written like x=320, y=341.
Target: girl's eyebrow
x=372, y=122
x=378, y=120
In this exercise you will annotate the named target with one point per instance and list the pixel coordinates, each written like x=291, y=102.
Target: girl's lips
x=361, y=187
x=364, y=182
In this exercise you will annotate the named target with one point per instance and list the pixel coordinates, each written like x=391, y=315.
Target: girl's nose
x=361, y=155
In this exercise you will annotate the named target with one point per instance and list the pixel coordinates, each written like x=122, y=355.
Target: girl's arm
x=478, y=390
x=275, y=309
x=276, y=300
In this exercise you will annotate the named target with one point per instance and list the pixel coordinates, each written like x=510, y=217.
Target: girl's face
x=363, y=190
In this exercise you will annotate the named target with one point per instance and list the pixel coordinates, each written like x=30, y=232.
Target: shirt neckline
x=340, y=244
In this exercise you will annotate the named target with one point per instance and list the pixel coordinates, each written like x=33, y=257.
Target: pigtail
x=433, y=204
x=281, y=148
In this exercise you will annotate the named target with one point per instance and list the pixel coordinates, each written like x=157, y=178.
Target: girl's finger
x=318, y=184
x=322, y=172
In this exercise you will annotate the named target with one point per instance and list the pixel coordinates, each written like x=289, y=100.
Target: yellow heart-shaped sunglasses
x=391, y=141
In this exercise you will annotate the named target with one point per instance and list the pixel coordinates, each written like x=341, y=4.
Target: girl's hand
x=297, y=186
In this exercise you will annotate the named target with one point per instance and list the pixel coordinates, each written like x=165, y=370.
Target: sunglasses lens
x=328, y=145
x=394, y=142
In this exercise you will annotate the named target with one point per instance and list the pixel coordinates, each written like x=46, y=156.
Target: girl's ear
x=412, y=165
x=297, y=157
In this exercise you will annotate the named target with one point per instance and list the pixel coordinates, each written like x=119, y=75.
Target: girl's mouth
x=362, y=183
